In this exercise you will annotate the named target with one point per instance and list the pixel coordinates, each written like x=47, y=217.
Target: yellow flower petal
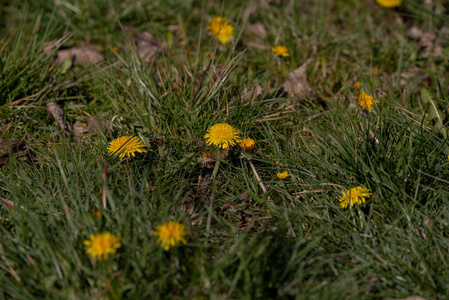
x=126, y=146
x=280, y=51
x=221, y=29
x=102, y=245
x=354, y=196
x=222, y=135
x=389, y=3
x=170, y=234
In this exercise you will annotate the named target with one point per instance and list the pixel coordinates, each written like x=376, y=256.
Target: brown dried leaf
x=58, y=114
x=91, y=127
x=80, y=128
x=295, y=83
x=408, y=298
x=51, y=46
x=6, y=145
x=258, y=29
x=146, y=45
x=8, y=203
x=83, y=56
x=248, y=10
x=258, y=44
x=432, y=45
x=254, y=92
x=10, y=146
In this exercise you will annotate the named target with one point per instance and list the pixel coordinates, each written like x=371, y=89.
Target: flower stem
x=262, y=186
x=217, y=165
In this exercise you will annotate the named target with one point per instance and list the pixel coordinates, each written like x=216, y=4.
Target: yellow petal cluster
x=221, y=29
x=126, y=146
x=102, y=245
x=280, y=51
x=222, y=135
x=366, y=101
x=170, y=234
x=389, y=3
x=247, y=145
x=354, y=196
x=282, y=175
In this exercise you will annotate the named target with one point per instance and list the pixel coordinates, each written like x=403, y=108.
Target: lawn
x=270, y=149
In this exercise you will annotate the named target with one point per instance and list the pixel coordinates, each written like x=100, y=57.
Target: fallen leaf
x=295, y=83
x=49, y=47
x=80, y=128
x=146, y=45
x=254, y=92
x=258, y=44
x=83, y=56
x=413, y=77
x=248, y=10
x=257, y=29
x=7, y=147
x=408, y=298
x=91, y=127
x=432, y=45
x=58, y=114
x=8, y=203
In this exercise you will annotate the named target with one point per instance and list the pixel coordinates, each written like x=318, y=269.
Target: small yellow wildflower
x=280, y=51
x=247, y=145
x=170, y=234
x=282, y=175
x=222, y=135
x=354, y=196
x=207, y=154
x=126, y=146
x=389, y=3
x=102, y=245
x=366, y=101
x=221, y=29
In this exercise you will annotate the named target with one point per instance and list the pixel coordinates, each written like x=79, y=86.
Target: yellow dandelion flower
x=102, y=245
x=354, y=196
x=222, y=135
x=126, y=146
x=221, y=29
x=170, y=234
x=247, y=145
x=280, y=51
x=282, y=175
x=389, y=3
x=366, y=101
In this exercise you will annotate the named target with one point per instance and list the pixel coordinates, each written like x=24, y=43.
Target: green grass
x=292, y=241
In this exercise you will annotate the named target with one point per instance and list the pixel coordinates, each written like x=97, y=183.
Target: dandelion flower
x=102, y=245
x=389, y=3
x=280, y=51
x=126, y=146
x=366, y=101
x=170, y=234
x=247, y=145
x=282, y=175
x=221, y=29
x=222, y=135
x=354, y=196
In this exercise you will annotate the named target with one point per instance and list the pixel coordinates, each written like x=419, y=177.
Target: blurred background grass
x=294, y=241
